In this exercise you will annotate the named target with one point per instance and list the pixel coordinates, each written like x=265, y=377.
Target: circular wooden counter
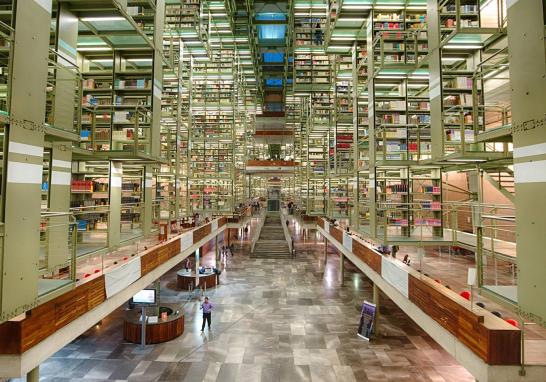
x=185, y=279
x=162, y=331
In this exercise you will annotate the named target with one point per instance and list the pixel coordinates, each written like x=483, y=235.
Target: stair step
x=272, y=243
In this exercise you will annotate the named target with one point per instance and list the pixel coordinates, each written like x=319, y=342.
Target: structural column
x=59, y=201
x=148, y=200
x=157, y=78
x=66, y=83
x=341, y=268
x=371, y=128
x=528, y=84
x=197, y=256
x=435, y=80
x=34, y=375
x=355, y=214
x=23, y=158
x=377, y=303
x=114, y=218
x=325, y=252
x=216, y=252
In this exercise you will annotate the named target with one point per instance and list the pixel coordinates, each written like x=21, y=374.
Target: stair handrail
x=261, y=223
x=286, y=232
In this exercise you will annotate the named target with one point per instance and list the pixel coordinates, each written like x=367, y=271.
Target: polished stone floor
x=274, y=320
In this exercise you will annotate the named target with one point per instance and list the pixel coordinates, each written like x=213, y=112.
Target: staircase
x=503, y=180
x=272, y=243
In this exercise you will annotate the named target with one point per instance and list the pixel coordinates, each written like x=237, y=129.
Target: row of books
x=426, y=147
x=458, y=83
x=391, y=105
x=458, y=99
x=132, y=84
x=432, y=222
x=435, y=190
x=81, y=186
x=454, y=135
x=393, y=119
x=91, y=84
x=468, y=8
x=465, y=23
x=400, y=188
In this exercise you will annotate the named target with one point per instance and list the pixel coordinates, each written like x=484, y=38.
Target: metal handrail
x=287, y=235
x=258, y=229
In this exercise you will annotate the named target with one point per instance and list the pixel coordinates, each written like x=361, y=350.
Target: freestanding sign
x=367, y=317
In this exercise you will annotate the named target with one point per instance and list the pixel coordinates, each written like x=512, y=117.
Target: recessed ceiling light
x=93, y=48
x=103, y=18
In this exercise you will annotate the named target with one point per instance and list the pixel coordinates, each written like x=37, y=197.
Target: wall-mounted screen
x=145, y=296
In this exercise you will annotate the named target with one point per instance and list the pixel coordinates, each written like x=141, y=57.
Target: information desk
x=161, y=331
x=185, y=279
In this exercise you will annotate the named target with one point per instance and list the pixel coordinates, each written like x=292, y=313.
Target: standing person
x=318, y=34
x=207, y=308
x=232, y=249
x=394, y=250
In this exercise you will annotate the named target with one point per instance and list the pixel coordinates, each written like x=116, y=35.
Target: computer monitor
x=145, y=297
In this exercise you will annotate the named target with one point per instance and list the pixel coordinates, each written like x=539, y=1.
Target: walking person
x=293, y=248
x=207, y=308
x=232, y=249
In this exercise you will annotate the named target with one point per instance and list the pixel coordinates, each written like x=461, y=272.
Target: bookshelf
x=426, y=200
x=312, y=66
x=89, y=189
x=316, y=191
x=211, y=133
x=340, y=197
x=458, y=104
x=361, y=122
x=458, y=15
x=399, y=37
x=398, y=199
x=117, y=101
x=342, y=142
x=392, y=196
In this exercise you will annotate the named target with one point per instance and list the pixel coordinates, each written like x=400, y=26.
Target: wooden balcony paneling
x=201, y=233
x=493, y=341
x=46, y=319
x=336, y=234
x=320, y=222
x=367, y=255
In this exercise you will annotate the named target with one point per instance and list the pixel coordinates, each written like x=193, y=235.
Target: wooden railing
x=491, y=338
x=19, y=335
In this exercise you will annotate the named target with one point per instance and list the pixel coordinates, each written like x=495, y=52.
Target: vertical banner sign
x=367, y=316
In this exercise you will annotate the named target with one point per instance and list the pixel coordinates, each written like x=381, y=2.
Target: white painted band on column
x=24, y=173
x=434, y=83
x=148, y=183
x=61, y=163
x=62, y=61
x=60, y=178
x=116, y=170
x=25, y=149
x=530, y=150
x=530, y=172
x=46, y=4
x=511, y=2
x=157, y=92
x=435, y=92
x=115, y=181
